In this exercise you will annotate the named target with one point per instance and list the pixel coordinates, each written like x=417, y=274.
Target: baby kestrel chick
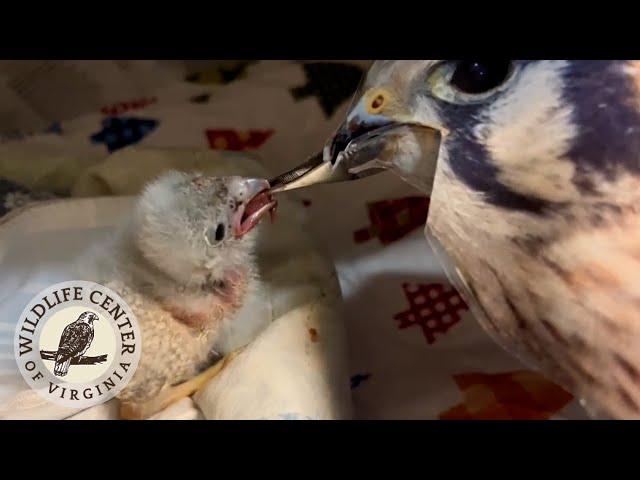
x=183, y=261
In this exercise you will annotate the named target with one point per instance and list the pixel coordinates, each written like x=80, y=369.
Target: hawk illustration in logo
x=76, y=339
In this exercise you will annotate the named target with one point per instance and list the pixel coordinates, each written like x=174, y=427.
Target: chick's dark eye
x=479, y=76
x=219, y=232
x=215, y=234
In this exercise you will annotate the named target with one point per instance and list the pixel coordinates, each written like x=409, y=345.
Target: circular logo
x=77, y=344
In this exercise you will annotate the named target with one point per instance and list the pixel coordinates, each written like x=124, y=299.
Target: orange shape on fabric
x=434, y=307
x=393, y=219
x=520, y=395
x=123, y=107
x=237, y=141
x=220, y=143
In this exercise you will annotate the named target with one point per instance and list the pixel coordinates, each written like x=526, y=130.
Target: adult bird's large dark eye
x=479, y=76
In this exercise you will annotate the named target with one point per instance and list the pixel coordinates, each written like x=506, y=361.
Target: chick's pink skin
x=203, y=312
x=249, y=215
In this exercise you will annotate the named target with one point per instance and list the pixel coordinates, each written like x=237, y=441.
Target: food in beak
x=353, y=135
x=407, y=149
x=249, y=215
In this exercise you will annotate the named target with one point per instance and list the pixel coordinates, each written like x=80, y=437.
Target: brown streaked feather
x=582, y=316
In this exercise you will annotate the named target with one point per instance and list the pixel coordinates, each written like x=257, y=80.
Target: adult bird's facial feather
x=410, y=114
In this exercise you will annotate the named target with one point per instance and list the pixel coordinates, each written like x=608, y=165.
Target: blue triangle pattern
x=120, y=132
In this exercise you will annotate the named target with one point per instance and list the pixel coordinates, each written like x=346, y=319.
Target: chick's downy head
x=196, y=228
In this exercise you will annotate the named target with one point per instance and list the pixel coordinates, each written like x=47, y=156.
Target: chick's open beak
x=258, y=203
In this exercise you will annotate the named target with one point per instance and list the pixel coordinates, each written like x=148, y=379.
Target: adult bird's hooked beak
x=373, y=138
x=378, y=134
